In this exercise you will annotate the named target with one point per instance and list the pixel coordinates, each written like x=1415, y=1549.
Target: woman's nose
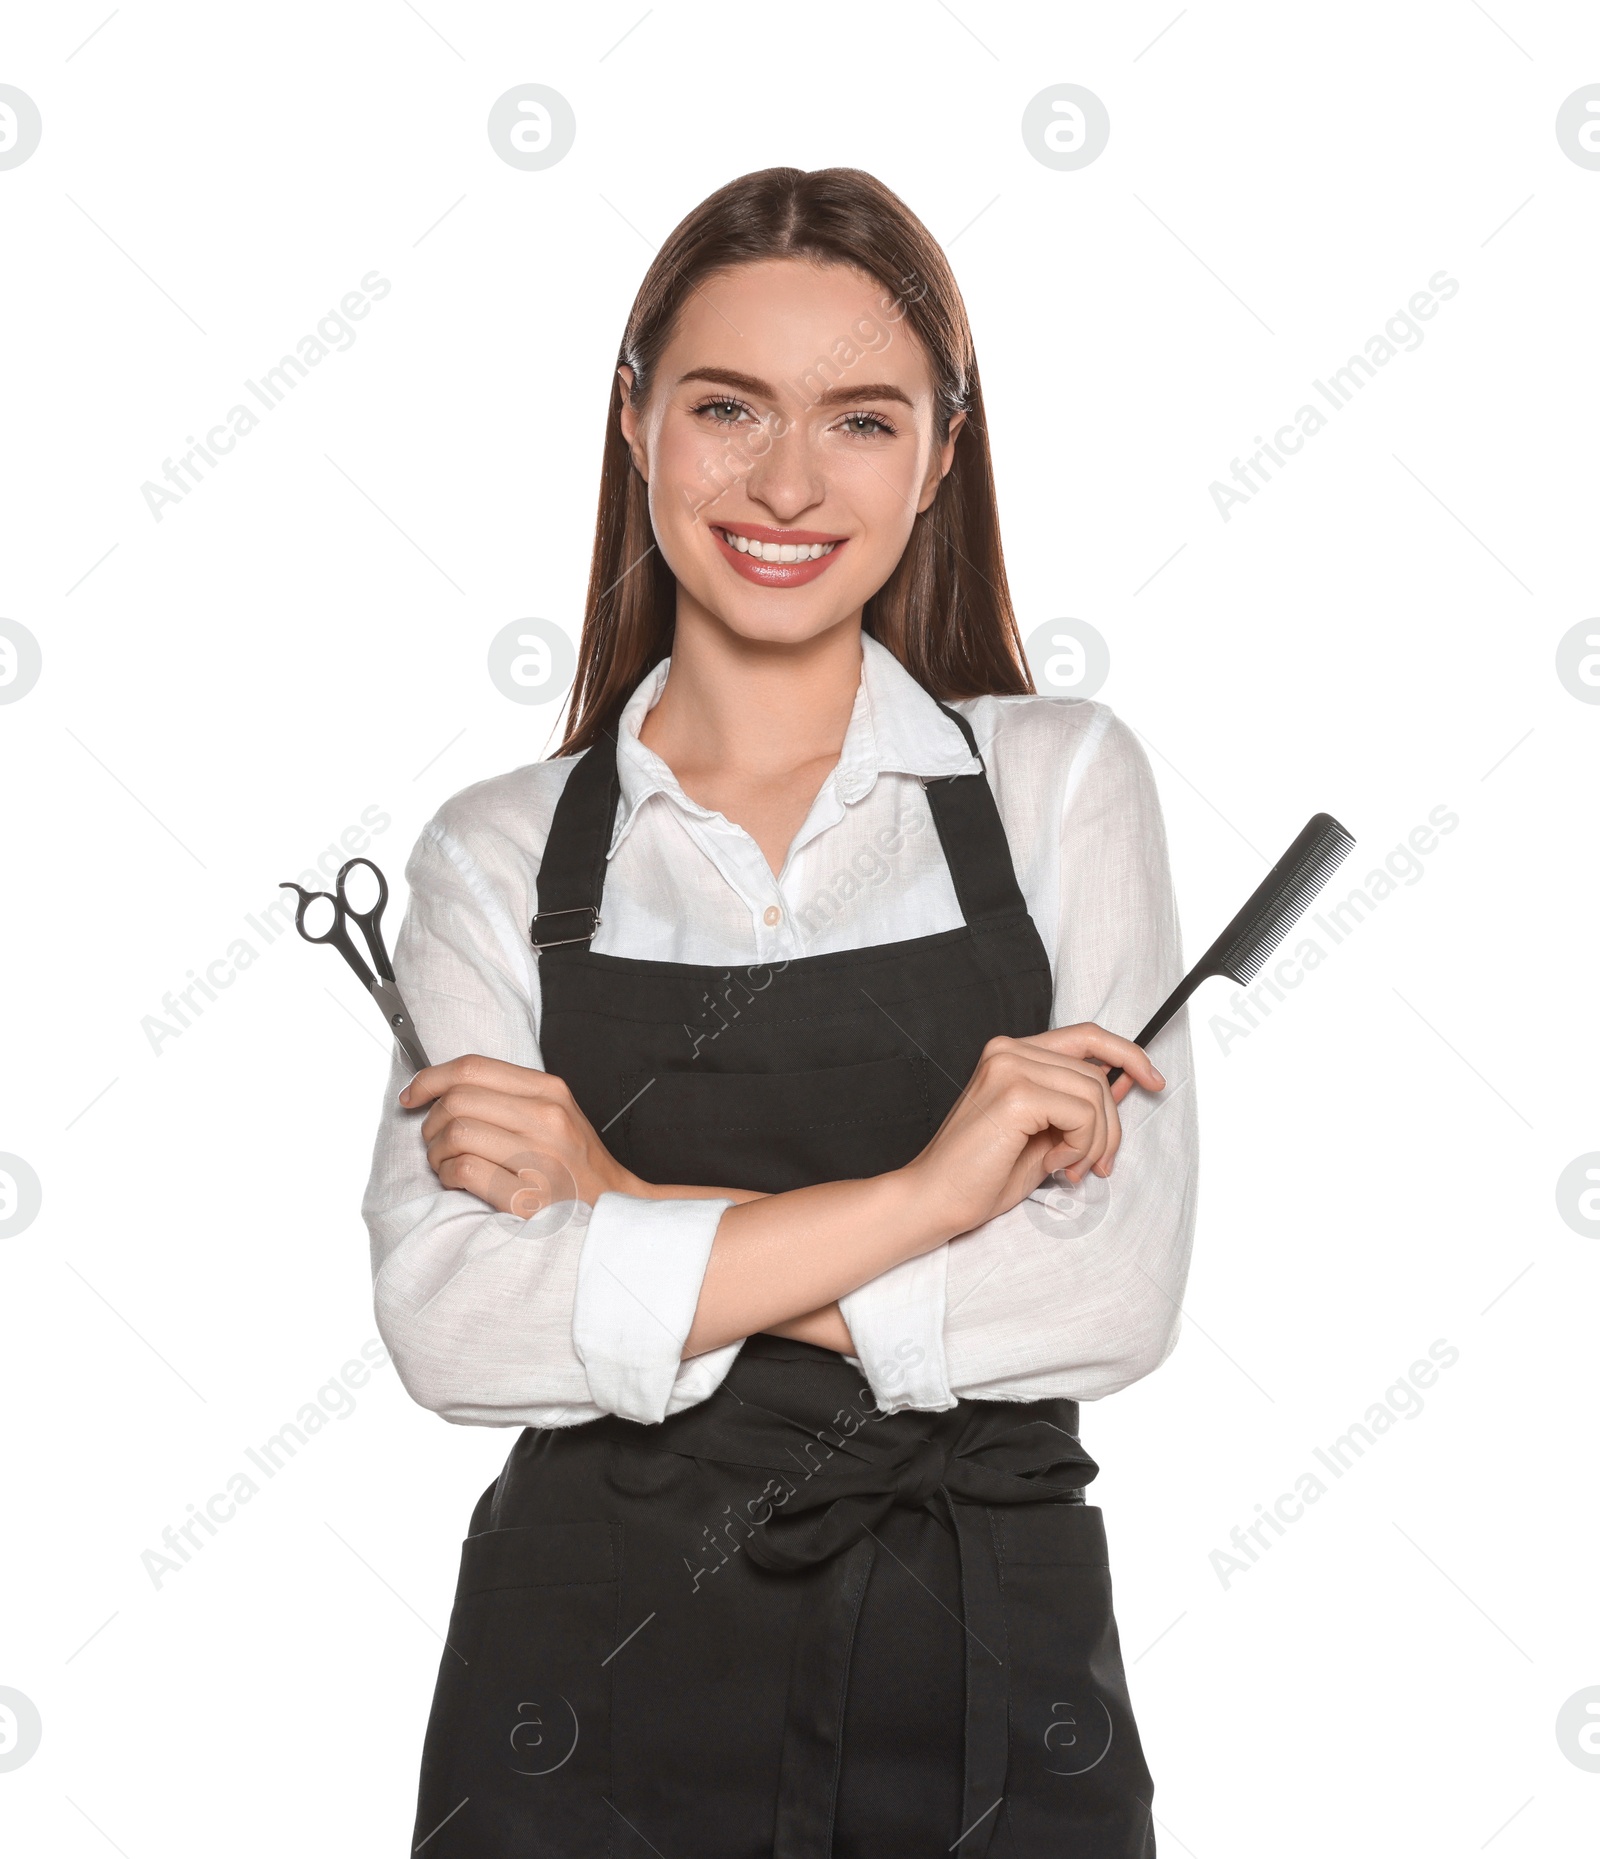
x=787, y=474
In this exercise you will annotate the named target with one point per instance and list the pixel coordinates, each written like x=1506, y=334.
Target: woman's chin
x=794, y=633
x=771, y=616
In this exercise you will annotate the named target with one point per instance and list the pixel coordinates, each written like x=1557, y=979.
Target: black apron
x=783, y=1624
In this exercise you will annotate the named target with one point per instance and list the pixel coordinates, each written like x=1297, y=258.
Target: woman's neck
x=753, y=709
x=751, y=728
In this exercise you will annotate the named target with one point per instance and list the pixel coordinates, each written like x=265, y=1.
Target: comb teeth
x=1279, y=900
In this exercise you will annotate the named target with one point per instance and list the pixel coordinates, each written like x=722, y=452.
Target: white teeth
x=777, y=551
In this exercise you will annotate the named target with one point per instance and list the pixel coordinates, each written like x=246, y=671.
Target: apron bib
x=783, y=1624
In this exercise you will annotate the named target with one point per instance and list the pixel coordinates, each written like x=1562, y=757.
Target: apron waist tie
x=824, y=1526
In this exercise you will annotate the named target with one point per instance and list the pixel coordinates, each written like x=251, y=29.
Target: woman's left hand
x=512, y=1136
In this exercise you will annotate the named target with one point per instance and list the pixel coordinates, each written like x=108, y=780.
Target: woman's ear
x=629, y=421
x=939, y=464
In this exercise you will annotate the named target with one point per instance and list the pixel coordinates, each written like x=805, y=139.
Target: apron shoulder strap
x=572, y=873
x=973, y=837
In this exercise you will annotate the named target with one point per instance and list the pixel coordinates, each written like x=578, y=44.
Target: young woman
x=780, y=1197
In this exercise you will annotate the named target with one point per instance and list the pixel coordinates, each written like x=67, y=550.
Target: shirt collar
x=895, y=728
x=908, y=732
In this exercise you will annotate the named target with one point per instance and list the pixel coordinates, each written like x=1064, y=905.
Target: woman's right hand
x=513, y=1136
x=517, y=1139
x=1034, y=1106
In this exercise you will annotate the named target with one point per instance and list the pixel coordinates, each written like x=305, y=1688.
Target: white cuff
x=639, y=1276
x=897, y=1322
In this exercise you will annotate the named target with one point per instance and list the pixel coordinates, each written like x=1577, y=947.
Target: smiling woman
x=792, y=1556
x=867, y=443
x=862, y=347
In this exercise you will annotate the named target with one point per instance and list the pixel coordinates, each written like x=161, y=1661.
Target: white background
x=304, y=636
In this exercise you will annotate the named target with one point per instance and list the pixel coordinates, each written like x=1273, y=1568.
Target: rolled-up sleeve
x=1076, y=1290
x=896, y=1322
x=494, y=1320
x=639, y=1277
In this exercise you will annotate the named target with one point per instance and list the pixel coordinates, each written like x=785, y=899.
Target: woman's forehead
x=774, y=319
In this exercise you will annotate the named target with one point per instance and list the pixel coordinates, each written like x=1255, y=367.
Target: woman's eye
x=865, y=425
x=716, y=409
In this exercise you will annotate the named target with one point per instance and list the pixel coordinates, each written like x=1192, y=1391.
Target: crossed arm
x=780, y=1262
x=490, y=1331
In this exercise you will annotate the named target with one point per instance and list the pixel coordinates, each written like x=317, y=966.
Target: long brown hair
x=945, y=612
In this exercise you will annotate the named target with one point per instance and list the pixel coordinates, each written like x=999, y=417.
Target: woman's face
x=788, y=443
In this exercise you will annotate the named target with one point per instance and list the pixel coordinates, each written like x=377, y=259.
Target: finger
x=474, y=1068
x=1070, y=1098
x=1087, y=1040
x=1089, y=1155
x=476, y=1174
x=1113, y=1136
x=1058, y=1160
x=1104, y=1163
x=1086, y=1080
x=1097, y=1068
x=505, y=1109
x=522, y=1193
x=434, y=1080
x=1074, y=1162
x=423, y=1088
x=1044, y=1072
x=1070, y=1155
x=1111, y=1098
x=1096, y=1156
x=1066, y=1046
x=1037, y=1163
x=467, y=1136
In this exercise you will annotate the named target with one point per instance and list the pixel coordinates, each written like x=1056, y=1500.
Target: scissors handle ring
x=307, y=898
x=369, y=920
x=376, y=911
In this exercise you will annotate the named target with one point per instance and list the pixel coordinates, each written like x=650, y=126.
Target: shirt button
x=771, y=915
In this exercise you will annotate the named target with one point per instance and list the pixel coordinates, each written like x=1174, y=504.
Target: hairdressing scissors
x=380, y=985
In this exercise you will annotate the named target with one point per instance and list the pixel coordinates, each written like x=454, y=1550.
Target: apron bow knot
x=984, y=1454
x=921, y=1473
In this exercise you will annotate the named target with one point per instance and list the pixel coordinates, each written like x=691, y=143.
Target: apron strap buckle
x=541, y=923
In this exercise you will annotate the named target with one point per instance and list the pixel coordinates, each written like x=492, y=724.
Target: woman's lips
x=777, y=574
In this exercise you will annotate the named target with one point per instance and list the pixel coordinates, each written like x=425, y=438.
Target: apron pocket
x=1076, y=1764
x=777, y=1130
x=517, y=1757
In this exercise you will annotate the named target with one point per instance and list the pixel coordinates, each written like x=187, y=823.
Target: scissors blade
x=387, y=995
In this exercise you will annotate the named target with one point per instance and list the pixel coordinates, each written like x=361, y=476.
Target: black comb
x=1270, y=912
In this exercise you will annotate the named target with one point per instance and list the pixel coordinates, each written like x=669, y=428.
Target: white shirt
x=493, y=1320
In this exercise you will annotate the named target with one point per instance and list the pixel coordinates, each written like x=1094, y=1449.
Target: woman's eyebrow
x=834, y=396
